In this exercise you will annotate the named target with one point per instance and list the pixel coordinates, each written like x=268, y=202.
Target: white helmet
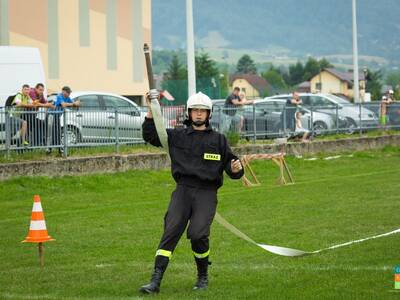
x=199, y=100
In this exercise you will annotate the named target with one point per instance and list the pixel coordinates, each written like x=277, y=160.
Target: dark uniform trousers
x=196, y=206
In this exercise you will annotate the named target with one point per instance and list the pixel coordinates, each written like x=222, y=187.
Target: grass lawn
x=107, y=228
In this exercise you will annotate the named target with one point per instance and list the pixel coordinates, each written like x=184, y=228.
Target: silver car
x=102, y=117
x=338, y=108
x=321, y=122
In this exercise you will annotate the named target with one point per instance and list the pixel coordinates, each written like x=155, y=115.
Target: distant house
x=254, y=86
x=335, y=82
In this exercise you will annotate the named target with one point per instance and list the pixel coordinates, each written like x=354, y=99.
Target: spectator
x=243, y=99
x=299, y=128
x=384, y=118
x=290, y=110
x=390, y=95
x=393, y=111
x=232, y=103
x=39, y=124
x=37, y=94
x=62, y=101
x=22, y=102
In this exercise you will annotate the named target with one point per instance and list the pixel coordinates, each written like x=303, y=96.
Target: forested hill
x=292, y=27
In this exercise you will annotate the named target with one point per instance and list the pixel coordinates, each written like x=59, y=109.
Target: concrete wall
x=121, y=163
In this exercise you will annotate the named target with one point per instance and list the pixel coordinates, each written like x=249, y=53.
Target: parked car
x=334, y=105
x=321, y=122
x=265, y=126
x=97, y=117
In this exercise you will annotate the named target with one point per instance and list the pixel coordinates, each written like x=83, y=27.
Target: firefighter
x=199, y=156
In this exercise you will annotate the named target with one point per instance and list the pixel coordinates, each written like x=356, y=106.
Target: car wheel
x=352, y=126
x=73, y=136
x=320, y=127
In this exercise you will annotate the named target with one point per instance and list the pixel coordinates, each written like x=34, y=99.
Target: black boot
x=153, y=287
x=202, y=273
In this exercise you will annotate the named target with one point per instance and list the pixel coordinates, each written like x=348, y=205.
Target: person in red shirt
x=38, y=124
x=37, y=94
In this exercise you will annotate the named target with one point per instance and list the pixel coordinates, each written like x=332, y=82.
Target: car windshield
x=338, y=99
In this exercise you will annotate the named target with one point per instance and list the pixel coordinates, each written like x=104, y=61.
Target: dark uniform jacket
x=198, y=158
x=230, y=108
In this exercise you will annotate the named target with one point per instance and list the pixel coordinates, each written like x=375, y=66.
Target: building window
x=318, y=86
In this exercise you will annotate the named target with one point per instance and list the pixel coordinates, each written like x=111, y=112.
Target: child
x=299, y=128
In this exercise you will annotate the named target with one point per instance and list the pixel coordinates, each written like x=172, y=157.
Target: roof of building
x=344, y=76
x=304, y=84
x=259, y=83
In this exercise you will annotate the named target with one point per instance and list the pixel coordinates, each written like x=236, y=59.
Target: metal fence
x=48, y=130
x=272, y=119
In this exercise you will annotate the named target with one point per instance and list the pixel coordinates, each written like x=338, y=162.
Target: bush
x=233, y=138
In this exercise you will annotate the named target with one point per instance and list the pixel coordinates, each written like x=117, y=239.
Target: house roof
x=259, y=83
x=344, y=76
x=304, y=84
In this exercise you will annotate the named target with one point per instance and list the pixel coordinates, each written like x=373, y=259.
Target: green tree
x=296, y=73
x=205, y=66
x=324, y=64
x=175, y=80
x=299, y=72
x=176, y=70
x=311, y=68
x=224, y=82
x=207, y=76
x=246, y=65
x=161, y=59
x=374, y=84
x=275, y=79
x=393, y=79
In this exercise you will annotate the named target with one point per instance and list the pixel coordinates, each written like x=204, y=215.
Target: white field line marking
x=332, y=157
x=103, y=265
x=329, y=157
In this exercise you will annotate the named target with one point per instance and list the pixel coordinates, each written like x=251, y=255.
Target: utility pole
x=190, y=49
x=356, y=85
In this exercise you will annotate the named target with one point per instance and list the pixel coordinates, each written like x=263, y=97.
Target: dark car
x=265, y=122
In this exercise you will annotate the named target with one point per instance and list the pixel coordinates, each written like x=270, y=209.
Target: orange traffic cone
x=37, y=230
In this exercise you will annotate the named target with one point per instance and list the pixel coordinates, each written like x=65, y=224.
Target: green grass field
x=107, y=228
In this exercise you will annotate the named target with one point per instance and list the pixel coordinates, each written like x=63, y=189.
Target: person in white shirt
x=299, y=128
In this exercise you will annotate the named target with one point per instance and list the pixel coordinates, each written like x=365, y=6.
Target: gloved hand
x=154, y=94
